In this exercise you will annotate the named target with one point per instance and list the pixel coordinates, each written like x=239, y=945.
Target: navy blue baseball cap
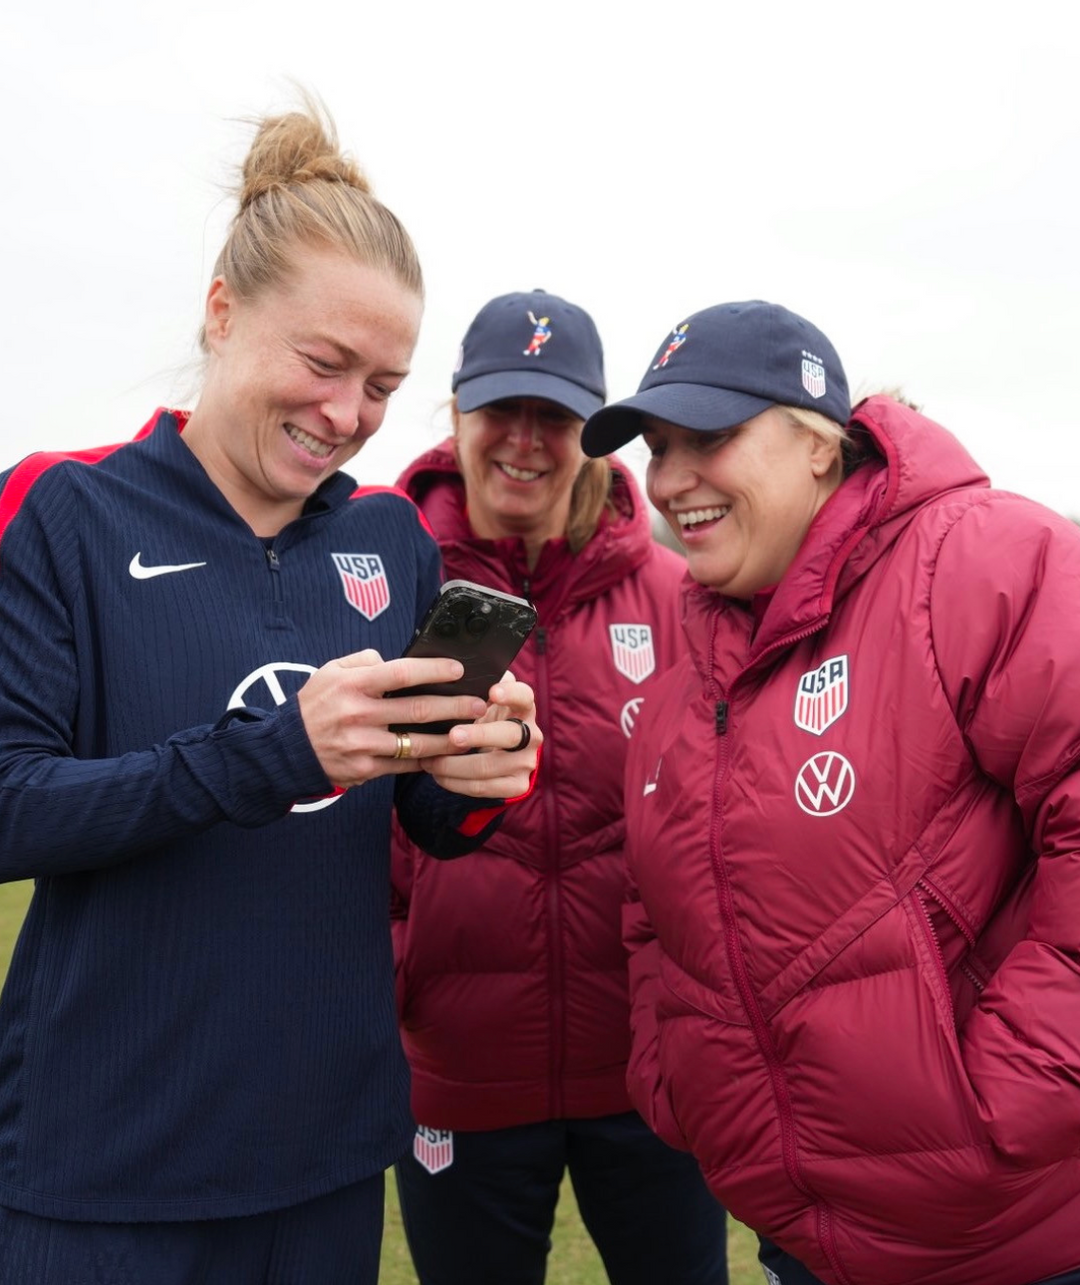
x=723, y=366
x=531, y=345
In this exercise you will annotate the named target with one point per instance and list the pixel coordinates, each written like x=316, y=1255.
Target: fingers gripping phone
x=481, y=627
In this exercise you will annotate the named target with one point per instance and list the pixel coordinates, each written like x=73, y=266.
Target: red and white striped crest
x=813, y=377
x=364, y=581
x=822, y=695
x=433, y=1148
x=632, y=650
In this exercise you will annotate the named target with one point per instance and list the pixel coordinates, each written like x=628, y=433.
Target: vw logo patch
x=825, y=784
x=629, y=714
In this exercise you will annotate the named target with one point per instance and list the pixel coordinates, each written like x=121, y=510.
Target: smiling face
x=741, y=500
x=298, y=380
x=519, y=458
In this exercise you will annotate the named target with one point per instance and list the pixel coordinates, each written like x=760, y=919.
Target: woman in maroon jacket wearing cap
x=512, y=975
x=853, y=819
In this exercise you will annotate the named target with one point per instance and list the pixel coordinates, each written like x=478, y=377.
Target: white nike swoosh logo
x=147, y=573
x=649, y=787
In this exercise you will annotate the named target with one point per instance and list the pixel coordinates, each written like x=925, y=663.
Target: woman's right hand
x=347, y=716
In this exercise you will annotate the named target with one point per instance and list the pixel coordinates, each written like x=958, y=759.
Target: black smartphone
x=483, y=628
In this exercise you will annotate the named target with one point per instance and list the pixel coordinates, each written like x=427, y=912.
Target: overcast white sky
x=907, y=176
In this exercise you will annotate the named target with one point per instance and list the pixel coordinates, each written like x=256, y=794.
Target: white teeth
x=691, y=517
x=309, y=443
x=520, y=474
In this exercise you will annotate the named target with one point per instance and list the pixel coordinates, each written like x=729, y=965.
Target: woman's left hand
x=508, y=741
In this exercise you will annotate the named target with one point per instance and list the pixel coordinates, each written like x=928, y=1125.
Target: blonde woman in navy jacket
x=512, y=978
x=200, y=1073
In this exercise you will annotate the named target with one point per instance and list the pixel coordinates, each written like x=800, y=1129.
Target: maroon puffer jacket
x=512, y=979
x=856, y=844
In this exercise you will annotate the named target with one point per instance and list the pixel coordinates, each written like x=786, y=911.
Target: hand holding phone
x=483, y=628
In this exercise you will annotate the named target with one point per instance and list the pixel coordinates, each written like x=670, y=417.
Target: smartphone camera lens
x=446, y=627
x=476, y=626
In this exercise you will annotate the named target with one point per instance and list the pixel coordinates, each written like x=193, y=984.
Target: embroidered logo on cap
x=813, y=374
x=632, y=651
x=364, y=582
x=541, y=334
x=678, y=338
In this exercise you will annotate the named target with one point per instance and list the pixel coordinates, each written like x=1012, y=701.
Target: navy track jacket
x=199, y=1018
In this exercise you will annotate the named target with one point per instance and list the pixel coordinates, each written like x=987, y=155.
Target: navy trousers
x=486, y=1217
x=334, y=1240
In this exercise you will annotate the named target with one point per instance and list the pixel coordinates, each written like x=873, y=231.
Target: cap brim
x=695, y=406
x=473, y=393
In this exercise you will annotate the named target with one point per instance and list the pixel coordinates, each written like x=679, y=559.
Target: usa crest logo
x=632, y=651
x=364, y=582
x=433, y=1148
x=813, y=374
x=822, y=695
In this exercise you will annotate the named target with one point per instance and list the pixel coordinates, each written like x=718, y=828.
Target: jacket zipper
x=552, y=881
x=926, y=890
x=936, y=895
x=742, y=980
x=273, y=562
x=921, y=897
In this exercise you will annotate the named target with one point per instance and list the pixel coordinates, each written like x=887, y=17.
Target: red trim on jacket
x=361, y=491
x=477, y=821
x=24, y=475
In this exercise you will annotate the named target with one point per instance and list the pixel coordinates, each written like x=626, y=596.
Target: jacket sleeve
x=442, y=823
x=1005, y=611
x=62, y=807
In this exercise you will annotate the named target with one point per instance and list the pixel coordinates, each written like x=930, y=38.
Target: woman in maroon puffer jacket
x=853, y=812
x=512, y=975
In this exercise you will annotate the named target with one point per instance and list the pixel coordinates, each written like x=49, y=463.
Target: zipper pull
x=721, y=717
x=541, y=640
x=273, y=560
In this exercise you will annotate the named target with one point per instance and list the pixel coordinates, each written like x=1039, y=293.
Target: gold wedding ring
x=404, y=746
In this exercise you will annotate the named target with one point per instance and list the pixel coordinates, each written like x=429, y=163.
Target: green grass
x=573, y=1261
